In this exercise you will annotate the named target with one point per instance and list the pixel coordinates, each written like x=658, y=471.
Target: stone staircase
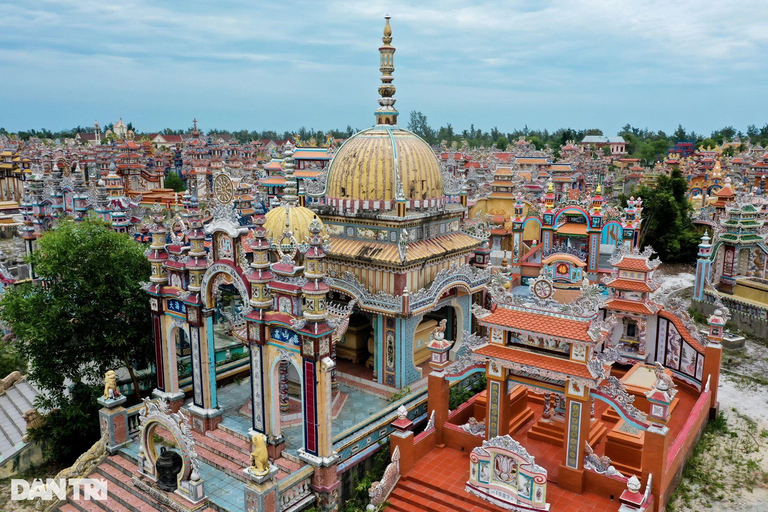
x=122, y=496
x=553, y=432
x=417, y=496
x=223, y=449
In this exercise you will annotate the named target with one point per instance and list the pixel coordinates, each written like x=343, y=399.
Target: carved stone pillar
x=547, y=410
x=559, y=412
x=592, y=410
x=285, y=404
x=334, y=383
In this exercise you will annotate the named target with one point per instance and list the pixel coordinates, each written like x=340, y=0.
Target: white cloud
x=574, y=54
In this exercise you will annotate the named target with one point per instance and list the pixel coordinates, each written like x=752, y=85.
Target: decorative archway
x=713, y=189
x=274, y=377
x=158, y=414
x=572, y=210
x=238, y=282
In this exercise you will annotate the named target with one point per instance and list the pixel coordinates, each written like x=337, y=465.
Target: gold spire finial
x=599, y=189
x=386, y=113
x=387, y=31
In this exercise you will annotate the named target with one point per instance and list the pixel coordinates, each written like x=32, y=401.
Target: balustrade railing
x=380, y=490
x=565, y=250
x=295, y=491
x=133, y=419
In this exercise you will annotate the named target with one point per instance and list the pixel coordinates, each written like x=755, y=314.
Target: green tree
x=10, y=359
x=667, y=225
x=88, y=315
x=680, y=134
x=175, y=182
x=502, y=143
x=420, y=126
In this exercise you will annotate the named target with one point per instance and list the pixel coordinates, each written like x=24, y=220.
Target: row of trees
x=645, y=144
x=642, y=143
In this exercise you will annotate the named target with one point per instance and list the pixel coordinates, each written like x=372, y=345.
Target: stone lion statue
x=34, y=420
x=663, y=381
x=110, y=385
x=8, y=382
x=259, y=456
x=438, y=332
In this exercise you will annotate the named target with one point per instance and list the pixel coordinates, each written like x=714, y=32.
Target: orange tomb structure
x=570, y=416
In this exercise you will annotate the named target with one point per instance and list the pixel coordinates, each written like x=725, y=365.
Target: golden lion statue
x=110, y=385
x=259, y=456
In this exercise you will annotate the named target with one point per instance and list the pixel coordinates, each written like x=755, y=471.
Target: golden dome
x=299, y=219
x=364, y=168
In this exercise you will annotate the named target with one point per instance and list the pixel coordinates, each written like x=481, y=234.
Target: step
x=119, y=500
x=416, y=502
x=67, y=507
x=464, y=502
x=551, y=432
x=228, y=466
x=596, y=432
x=225, y=462
x=288, y=465
x=228, y=439
x=520, y=420
x=400, y=506
x=233, y=433
x=435, y=497
x=126, y=466
x=292, y=458
x=552, y=427
x=83, y=505
x=626, y=469
x=128, y=495
x=223, y=450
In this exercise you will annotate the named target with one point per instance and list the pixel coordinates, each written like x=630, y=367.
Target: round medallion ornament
x=223, y=190
x=543, y=288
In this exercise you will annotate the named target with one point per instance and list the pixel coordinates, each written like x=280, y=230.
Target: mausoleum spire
x=386, y=113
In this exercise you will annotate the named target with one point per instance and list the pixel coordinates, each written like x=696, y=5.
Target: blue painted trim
x=570, y=209
x=465, y=374
x=285, y=347
x=378, y=348
x=620, y=412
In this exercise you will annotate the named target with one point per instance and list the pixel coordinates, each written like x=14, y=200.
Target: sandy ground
x=738, y=459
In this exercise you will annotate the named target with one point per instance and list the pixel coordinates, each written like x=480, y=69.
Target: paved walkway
x=357, y=409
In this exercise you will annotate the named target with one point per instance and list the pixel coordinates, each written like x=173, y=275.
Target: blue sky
x=282, y=65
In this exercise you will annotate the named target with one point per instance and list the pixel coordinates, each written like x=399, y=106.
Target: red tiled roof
x=540, y=323
x=726, y=191
x=554, y=364
x=630, y=306
x=629, y=262
x=684, y=332
x=631, y=285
